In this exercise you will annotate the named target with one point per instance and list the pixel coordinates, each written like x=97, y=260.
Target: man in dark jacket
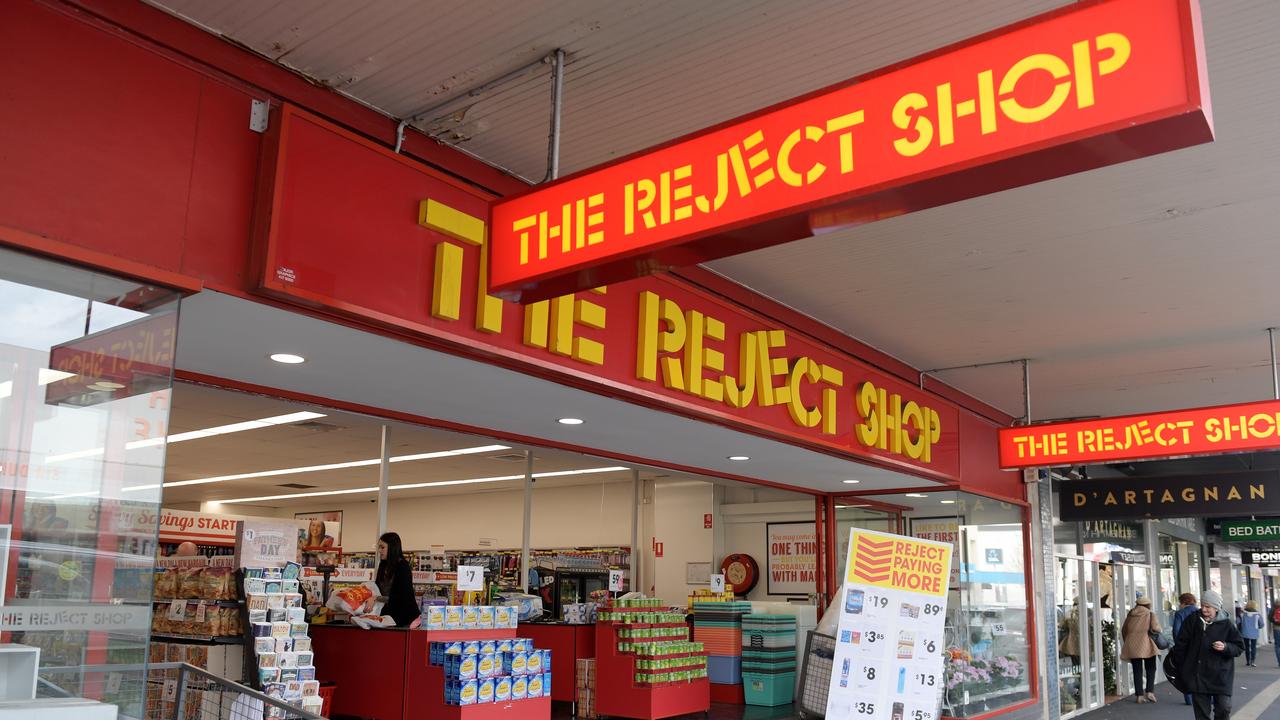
x=1205, y=656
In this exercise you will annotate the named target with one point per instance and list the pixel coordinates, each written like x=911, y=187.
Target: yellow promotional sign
x=898, y=562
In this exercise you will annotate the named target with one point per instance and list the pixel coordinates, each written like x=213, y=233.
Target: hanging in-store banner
x=266, y=543
x=717, y=583
x=888, y=658
x=616, y=580
x=470, y=577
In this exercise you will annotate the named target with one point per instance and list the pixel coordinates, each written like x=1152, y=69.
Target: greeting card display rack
x=645, y=666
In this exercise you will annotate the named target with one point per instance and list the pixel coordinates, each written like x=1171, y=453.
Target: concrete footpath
x=1256, y=697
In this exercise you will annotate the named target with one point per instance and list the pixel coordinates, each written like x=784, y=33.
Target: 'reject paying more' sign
x=888, y=659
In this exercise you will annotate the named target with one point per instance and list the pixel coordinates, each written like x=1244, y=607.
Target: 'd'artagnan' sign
x=1081, y=87
x=1209, y=495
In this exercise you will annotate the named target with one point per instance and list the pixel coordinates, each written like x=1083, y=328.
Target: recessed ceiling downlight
x=288, y=358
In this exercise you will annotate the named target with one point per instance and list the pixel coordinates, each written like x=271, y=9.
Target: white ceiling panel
x=1142, y=286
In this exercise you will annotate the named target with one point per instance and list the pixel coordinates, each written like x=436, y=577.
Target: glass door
x=1080, y=677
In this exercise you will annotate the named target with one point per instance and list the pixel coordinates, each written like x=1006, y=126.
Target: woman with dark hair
x=395, y=580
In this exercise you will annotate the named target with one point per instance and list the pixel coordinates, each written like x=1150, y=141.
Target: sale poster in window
x=888, y=658
x=793, y=558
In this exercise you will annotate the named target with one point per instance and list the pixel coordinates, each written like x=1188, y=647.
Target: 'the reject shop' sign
x=1081, y=87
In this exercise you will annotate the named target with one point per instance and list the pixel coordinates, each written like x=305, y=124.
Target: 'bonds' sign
x=1265, y=558
x=1078, y=88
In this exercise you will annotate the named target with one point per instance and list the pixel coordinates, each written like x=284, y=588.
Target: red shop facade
x=127, y=152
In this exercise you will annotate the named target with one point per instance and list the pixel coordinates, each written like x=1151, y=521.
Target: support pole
x=384, y=479
x=1275, y=376
x=636, y=494
x=1026, y=392
x=553, y=142
x=528, y=517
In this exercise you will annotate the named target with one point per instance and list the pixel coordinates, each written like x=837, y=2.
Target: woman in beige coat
x=1139, y=649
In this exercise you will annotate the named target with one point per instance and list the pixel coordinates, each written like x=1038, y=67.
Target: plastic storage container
x=768, y=690
x=724, y=670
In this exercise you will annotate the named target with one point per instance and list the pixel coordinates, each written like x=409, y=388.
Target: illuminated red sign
x=1199, y=431
x=1082, y=87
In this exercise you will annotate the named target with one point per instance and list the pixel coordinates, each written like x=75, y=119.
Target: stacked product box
x=469, y=617
x=718, y=625
x=585, y=688
x=492, y=671
x=281, y=648
x=768, y=659
x=659, y=639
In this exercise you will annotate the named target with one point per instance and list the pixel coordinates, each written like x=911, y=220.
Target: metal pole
x=1026, y=392
x=528, y=517
x=384, y=479
x=635, y=530
x=557, y=88
x=1275, y=378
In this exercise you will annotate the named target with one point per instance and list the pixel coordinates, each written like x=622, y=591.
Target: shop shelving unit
x=425, y=701
x=618, y=695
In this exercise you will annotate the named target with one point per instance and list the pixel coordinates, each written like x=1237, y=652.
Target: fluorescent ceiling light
x=739, y=458
x=570, y=421
x=288, y=358
x=328, y=466
x=414, y=486
x=194, y=435
x=947, y=502
x=851, y=482
x=44, y=376
x=917, y=495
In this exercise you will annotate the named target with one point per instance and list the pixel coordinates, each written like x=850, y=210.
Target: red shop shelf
x=617, y=694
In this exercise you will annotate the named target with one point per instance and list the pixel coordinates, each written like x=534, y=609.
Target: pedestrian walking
x=1140, y=649
x=1188, y=608
x=1204, y=657
x=1275, y=628
x=1251, y=625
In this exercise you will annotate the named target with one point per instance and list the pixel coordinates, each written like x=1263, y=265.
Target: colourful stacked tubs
x=718, y=626
x=768, y=659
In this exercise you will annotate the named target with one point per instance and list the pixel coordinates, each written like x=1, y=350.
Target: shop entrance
x=1082, y=670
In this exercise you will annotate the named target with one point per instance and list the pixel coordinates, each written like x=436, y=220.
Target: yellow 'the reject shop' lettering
x=911, y=430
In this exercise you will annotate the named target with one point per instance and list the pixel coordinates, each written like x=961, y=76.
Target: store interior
x=459, y=498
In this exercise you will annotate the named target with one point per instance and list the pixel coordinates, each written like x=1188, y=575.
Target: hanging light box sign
x=1081, y=87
